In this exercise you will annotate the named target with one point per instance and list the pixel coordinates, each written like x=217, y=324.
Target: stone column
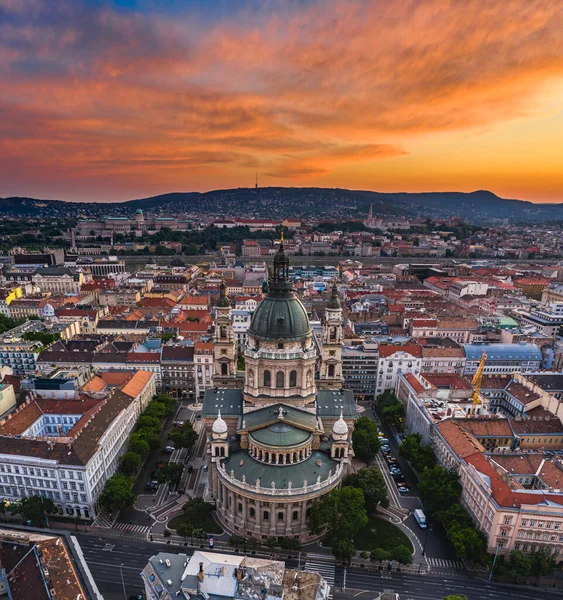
x=273, y=518
x=304, y=516
x=232, y=501
x=244, y=515
x=288, y=519
x=258, y=525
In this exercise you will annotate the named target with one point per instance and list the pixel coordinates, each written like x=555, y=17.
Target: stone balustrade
x=273, y=491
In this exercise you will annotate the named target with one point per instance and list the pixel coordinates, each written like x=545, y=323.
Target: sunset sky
x=106, y=101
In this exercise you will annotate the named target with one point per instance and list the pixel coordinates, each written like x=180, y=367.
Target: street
x=105, y=555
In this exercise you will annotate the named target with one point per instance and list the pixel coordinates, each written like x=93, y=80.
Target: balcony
x=281, y=354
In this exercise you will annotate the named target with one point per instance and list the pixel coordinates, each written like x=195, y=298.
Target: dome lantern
x=340, y=428
x=219, y=426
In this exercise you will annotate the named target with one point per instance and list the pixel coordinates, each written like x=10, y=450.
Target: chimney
x=201, y=574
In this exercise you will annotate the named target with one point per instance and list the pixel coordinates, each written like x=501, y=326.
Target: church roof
x=331, y=402
x=280, y=317
x=280, y=435
x=318, y=464
x=229, y=402
x=258, y=419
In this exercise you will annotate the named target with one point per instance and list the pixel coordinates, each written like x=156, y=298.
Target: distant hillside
x=478, y=207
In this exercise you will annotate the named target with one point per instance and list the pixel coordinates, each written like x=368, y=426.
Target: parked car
x=154, y=474
x=395, y=471
x=178, y=423
x=190, y=468
x=403, y=489
x=152, y=486
x=169, y=449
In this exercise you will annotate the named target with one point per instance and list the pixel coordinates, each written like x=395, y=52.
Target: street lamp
x=122, y=581
x=494, y=560
x=428, y=531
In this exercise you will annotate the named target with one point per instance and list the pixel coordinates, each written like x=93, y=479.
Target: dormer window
x=280, y=345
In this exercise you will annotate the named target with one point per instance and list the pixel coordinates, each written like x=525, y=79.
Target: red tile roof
x=389, y=349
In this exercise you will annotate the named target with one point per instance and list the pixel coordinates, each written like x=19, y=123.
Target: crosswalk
x=444, y=563
x=131, y=528
x=323, y=564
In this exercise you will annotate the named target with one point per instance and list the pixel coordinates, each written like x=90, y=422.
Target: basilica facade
x=279, y=438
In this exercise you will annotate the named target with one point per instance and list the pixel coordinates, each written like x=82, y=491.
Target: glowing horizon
x=111, y=101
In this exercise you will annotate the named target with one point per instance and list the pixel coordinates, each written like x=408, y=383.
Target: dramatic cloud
x=104, y=103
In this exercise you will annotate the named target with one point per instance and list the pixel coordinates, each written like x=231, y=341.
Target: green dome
x=280, y=317
x=280, y=434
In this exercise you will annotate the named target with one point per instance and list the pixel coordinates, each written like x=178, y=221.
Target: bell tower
x=225, y=346
x=330, y=375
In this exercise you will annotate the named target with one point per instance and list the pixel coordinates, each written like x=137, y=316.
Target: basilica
x=279, y=437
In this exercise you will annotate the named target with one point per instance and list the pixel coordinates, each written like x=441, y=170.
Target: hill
x=330, y=203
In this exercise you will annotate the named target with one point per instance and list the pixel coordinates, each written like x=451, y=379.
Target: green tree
x=138, y=445
x=341, y=512
x=542, y=563
x=34, y=508
x=167, y=401
x=237, y=540
x=184, y=436
x=519, y=564
x=156, y=409
x=402, y=554
x=288, y=543
x=149, y=422
x=117, y=494
x=370, y=480
x=416, y=453
x=365, y=439
x=343, y=550
x=150, y=436
x=185, y=530
x=468, y=542
x=272, y=542
x=130, y=463
x=379, y=555
x=438, y=487
x=170, y=473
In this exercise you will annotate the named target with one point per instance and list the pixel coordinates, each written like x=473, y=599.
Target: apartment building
x=66, y=450
x=203, y=366
x=502, y=358
x=177, y=369
x=360, y=366
x=394, y=360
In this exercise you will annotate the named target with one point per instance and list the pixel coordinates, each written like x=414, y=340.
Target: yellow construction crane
x=478, y=379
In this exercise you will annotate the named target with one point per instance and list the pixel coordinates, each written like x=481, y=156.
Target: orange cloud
x=120, y=103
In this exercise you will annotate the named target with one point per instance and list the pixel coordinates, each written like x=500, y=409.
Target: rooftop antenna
x=256, y=184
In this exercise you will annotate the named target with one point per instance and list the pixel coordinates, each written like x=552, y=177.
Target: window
x=280, y=346
x=507, y=520
x=331, y=370
x=240, y=507
x=224, y=369
x=280, y=516
x=280, y=379
x=504, y=532
x=252, y=512
x=293, y=379
x=295, y=515
x=267, y=379
x=266, y=515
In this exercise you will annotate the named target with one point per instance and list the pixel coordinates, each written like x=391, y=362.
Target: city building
x=502, y=358
x=546, y=319
x=177, y=370
x=66, y=450
x=292, y=440
x=206, y=575
x=359, y=369
x=203, y=367
x=394, y=360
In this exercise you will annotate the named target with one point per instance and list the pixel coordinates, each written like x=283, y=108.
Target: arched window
x=240, y=507
x=333, y=333
x=280, y=516
x=223, y=331
x=266, y=516
x=224, y=369
x=252, y=512
x=280, y=379
x=331, y=370
x=295, y=515
x=267, y=379
x=280, y=345
x=293, y=379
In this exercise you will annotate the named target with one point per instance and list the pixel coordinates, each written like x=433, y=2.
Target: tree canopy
x=365, y=439
x=118, y=493
x=419, y=455
x=33, y=508
x=184, y=436
x=370, y=480
x=438, y=488
x=341, y=512
x=130, y=463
